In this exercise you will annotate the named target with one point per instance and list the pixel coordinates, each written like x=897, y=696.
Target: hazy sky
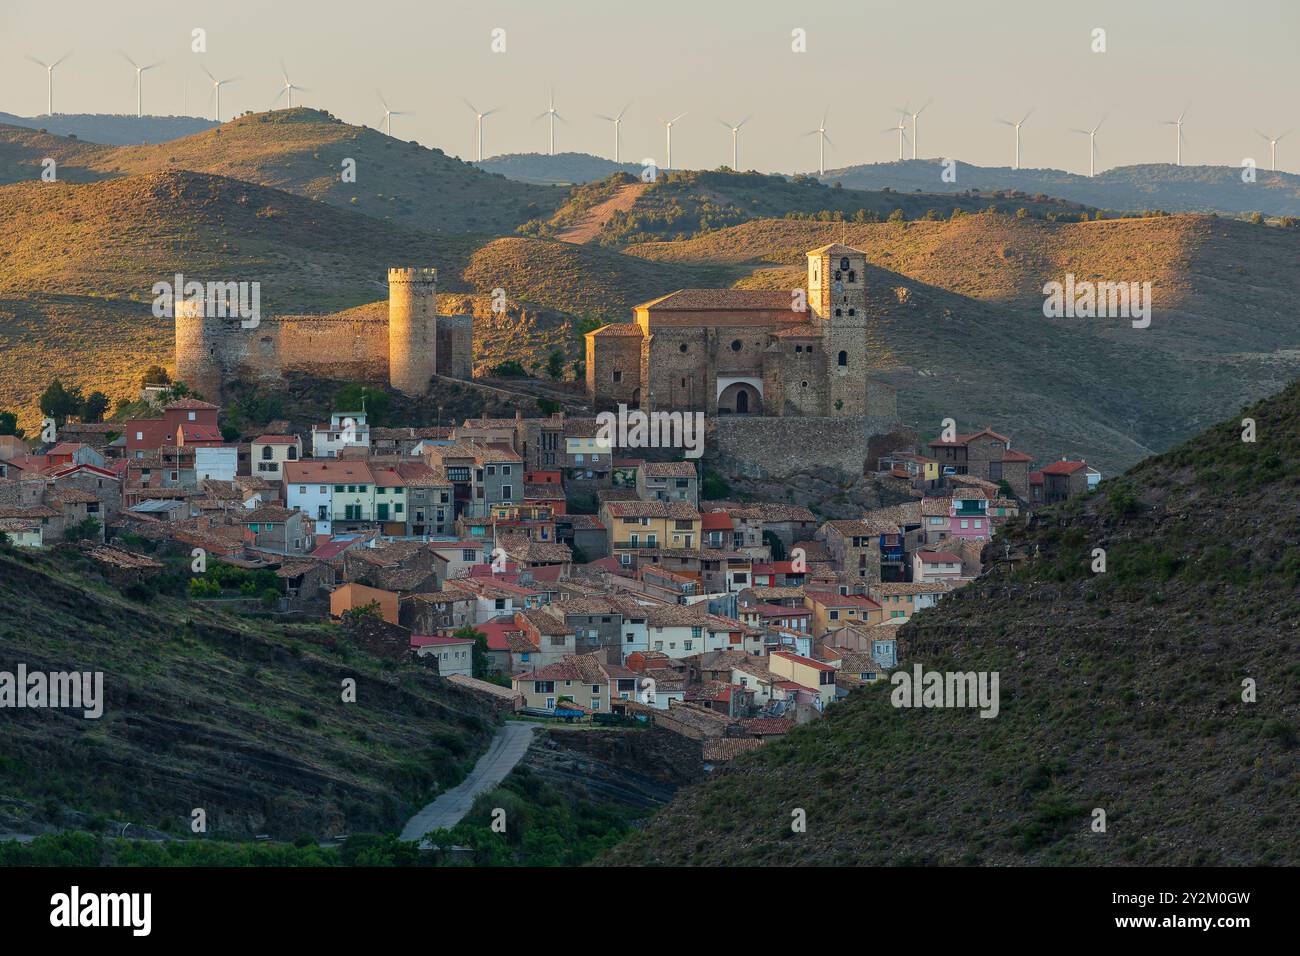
x=1235, y=63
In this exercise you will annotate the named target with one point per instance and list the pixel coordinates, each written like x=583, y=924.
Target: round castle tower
x=412, y=329
x=197, y=362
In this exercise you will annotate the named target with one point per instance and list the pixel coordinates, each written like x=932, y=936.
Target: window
x=506, y=492
x=618, y=376
x=468, y=554
x=839, y=312
x=682, y=348
x=736, y=345
x=844, y=358
x=844, y=262
x=190, y=416
x=266, y=453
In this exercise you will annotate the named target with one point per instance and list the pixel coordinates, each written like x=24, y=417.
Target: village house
x=668, y=481
x=855, y=546
x=271, y=452
x=831, y=610
x=1063, y=480
x=584, y=679
x=987, y=455
x=276, y=529
x=632, y=526
x=814, y=675
x=345, y=430
x=899, y=600
x=455, y=655
x=929, y=567
x=354, y=595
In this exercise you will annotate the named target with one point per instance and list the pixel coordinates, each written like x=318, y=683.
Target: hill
x=681, y=205
x=1146, y=186
x=958, y=326
x=239, y=716
x=78, y=262
x=1121, y=690
x=303, y=151
x=111, y=128
x=561, y=169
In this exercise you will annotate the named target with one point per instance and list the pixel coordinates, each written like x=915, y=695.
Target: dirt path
x=588, y=227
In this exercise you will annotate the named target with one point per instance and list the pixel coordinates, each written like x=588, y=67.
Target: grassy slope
x=301, y=151
x=240, y=717
x=680, y=205
x=1119, y=690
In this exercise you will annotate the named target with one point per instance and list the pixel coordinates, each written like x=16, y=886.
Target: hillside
x=679, y=205
x=113, y=129
x=1121, y=691
x=1147, y=186
x=560, y=169
x=958, y=325
x=302, y=151
x=241, y=717
x=78, y=262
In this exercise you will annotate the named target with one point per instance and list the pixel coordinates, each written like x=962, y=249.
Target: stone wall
x=761, y=447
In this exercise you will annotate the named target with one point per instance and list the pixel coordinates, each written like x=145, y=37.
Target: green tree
x=355, y=397
x=94, y=407
x=9, y=424
x=58, y=402
x=555, y=364
x=480, y=663
x=155, y=375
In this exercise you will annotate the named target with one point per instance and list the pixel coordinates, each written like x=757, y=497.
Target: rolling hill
x=681, y=205
x=303, y=151
x=239, y=716
x=78, y=262
x=1147, y=186
x=561, y=169
x=113, y=129
x=1120, y=691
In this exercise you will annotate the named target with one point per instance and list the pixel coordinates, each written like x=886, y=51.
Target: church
x=747, y=351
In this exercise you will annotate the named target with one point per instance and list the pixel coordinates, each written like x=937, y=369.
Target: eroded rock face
x=640, y=768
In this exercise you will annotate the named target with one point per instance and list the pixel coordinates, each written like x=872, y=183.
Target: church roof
x=836, y=249
x=618, y=328
x=690, y=300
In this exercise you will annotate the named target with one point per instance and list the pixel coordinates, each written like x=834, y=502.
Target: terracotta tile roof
x=668, y=469
x=652, y=509
x=1064, y=467
x=628, y=329
x=724, y=749
x=768, y=726
x=938, y=557
x=731, y=300
x=188, y=403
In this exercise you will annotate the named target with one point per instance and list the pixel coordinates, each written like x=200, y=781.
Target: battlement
x=416, y=275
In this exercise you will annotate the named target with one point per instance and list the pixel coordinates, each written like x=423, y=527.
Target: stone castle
x=746, y=352
x=405, y=348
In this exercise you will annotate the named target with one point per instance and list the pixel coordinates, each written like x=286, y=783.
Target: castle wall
x=320, y=345
x=761, y=447
x=455, y=349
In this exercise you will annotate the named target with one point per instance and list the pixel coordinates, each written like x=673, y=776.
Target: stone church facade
x=745, y=351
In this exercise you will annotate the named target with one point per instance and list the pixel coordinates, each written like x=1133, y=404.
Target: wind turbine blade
x=152, y=66
x=887, y=129
x=60, y=59
x=725, y=123
x=677, y=117
x=829, y=141
x=1005, y=122
x=127, y=58
x=205, y=70
x=623, y=110
x=1031, y=110
x=1279, y=139
x=602, y=116
x=744, y=121
x=490, y=112
x=472, y=107
x=1184, y=112
x=923, y=108
x=382, y=100
x=39, y=63
x=541, y=116
x=1266, y=138
x=1083, y=131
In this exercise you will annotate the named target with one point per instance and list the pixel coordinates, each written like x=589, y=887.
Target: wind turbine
x=1178, y=160
x=478, y=125
x=1092, y=143
x=668, y=125
x=735, y=135
x=1017, y=128
x=49, y=80
x=139, y=70
x=1272, y=149
x=901, y=130
x=289, y=87
x=551, y=114
x=822, y=140
x=617, y=120
x=389, y=114
x=216, y=88
x=914, y=115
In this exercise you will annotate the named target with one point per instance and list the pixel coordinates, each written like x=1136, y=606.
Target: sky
x=1232, y=65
